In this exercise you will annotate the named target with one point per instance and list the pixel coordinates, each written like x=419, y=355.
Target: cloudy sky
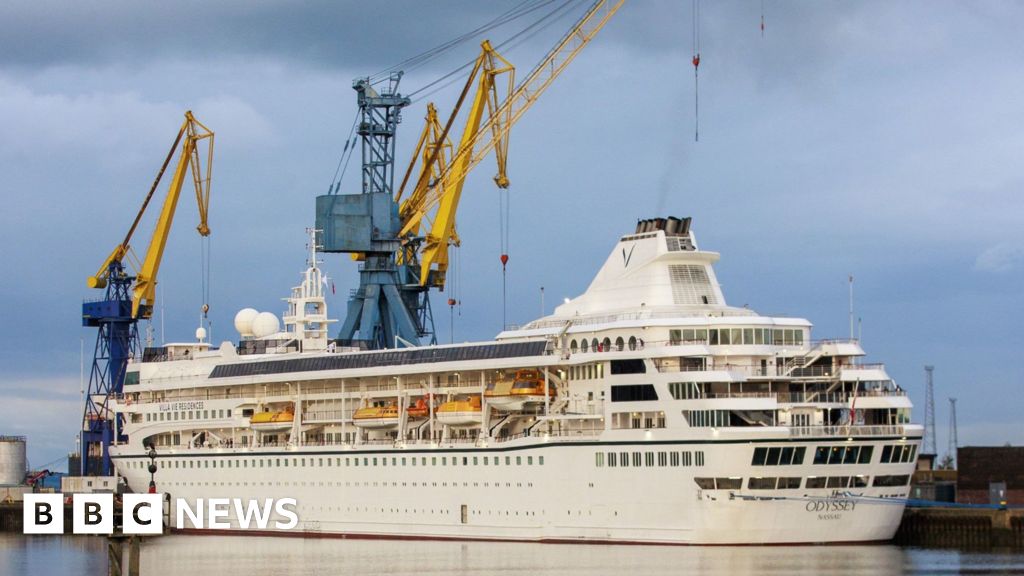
x=877, y=139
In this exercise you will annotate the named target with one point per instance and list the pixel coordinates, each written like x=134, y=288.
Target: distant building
x=990, y=475
x=927, y=483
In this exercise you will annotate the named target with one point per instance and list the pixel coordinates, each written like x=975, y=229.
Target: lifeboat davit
x=460, y=412
x=380, y=417
x=524, y=390
x=273, y=421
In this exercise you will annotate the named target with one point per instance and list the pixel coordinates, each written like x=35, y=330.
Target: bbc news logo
x=143, y=514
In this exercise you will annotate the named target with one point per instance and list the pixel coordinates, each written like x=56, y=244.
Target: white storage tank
x=12, y=460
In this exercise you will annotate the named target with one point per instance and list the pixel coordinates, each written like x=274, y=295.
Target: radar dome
x=265, y=324
x=200, y=333
x=244, y=320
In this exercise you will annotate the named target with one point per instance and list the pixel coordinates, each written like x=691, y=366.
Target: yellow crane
x=190, y=135
x=434, y=200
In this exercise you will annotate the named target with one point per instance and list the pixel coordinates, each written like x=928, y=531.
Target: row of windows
x=895, y=453
x=772, y=483
x=793, y=483
x=587, y=371
x=843, y=454
x=637, y=420
x=364, y=461
x=707, y=418
x=188, y=415
x=778, y=456
x=606, y=345
x=897, y=480
x=688, y=390
x=639, y=459
x=737, y=336
x=837, y=482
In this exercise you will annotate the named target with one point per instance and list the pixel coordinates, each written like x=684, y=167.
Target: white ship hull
x=568, y=498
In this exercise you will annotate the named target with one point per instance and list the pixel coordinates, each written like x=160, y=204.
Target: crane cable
x=454, y=291
x=511, y=42
x=204, y=262
x=762, y=18
x=504, y=209
x=346, y=155
x=421, y=59
x=696, y=66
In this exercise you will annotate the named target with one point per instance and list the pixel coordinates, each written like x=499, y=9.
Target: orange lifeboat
x=381, y=416
x=419, y=410
x=526, y=388
x=273, y=421
x=464, y=410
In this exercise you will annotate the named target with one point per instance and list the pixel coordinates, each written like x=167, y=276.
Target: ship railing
x=875, y=430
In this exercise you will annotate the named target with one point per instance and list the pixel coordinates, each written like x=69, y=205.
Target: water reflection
x=245, y=556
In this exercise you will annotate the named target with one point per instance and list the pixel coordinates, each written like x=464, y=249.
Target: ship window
x=475, y=462
x=632, y=342
x=887, y=454
x=705, y=483
x=748, y=335
x=816, y=482
x=611, y=459
x=606, y=344
x=508, y=460
x=728, y=483
x=311, y=462
x=673, y=458
x=786, y=456
x=573, y=347
x=851, y=455
x=619, y=344
x=777, y=339
x=761, y=483
x=700, y=458
x=758, y=336
x=519, y=460
x=599, y=459
x=789, y=484
x=486, y=460
x=713, y=337
x=634, y=393
x=773, y=456
x=636, y=459
x=594, y=345
x=633, y=366
x=859, y=482
x=723, y=337
x=736, y=335
x=675, y=337
x=821, y=455
x=584, y=346
x=540, y=460
x=529, y=460
x=465, y=460
x=759, y=456
x=624, y=458
x=838, y=482
x=662, y=459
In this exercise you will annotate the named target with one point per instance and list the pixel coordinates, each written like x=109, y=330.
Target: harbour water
x=233, y=555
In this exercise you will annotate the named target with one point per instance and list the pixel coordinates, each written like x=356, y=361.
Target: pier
x=967, y=527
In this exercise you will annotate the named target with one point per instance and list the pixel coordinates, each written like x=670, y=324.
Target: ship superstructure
x=645, y=410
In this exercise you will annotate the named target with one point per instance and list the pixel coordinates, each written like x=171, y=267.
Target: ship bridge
x=657, y=272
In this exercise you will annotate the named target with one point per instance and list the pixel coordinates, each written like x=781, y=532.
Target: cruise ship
x=646, y=410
